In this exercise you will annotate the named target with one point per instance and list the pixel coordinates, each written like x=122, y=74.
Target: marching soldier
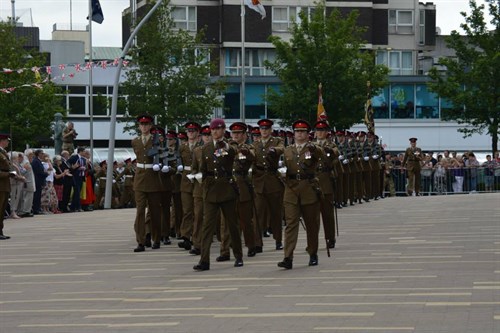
x=186, y=185
x=176, y=213
x=325, y=177
x=346, y=174
x=101, y=184
x=411, y=161
x=127, y=197
x=302, y=193
x=267, y=185
x=206, y=137
x=375, y=176
x=220, y=193
x=366, y=157
x=147, y=188
x=245, y=206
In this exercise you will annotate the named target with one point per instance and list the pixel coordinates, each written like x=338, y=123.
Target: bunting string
x=38, y=71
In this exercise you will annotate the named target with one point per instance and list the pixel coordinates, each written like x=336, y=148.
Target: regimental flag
x=97, y=15
x=321, y=115
x=369, y=121
x=257, y=6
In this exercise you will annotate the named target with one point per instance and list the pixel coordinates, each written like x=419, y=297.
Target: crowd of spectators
x=450, y=172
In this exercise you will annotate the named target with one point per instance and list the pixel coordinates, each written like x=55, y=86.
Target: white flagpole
x=114, y=105
x=91, y=92
x=242, y=91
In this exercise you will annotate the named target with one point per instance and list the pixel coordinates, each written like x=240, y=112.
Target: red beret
x=217, y=123
x=321, y=125
x=206, y=130
x=192, y=125
x=171, y=134
x=265, y=123
x=301, y=125
x=144, y=118
x=238, y=127
x=182, y=135
x=158, y=130
x=256, y=131
x=339, y=133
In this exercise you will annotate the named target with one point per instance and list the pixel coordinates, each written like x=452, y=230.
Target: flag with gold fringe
x=369, y=121
x=321, y=114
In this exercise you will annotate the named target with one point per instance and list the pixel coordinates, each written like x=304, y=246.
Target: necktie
x=299, y=148
x=144, y=140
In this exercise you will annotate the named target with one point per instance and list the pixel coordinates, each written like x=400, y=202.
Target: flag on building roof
x=321, y=115
x=257, y=6
x=369, y=120
x=97, y=15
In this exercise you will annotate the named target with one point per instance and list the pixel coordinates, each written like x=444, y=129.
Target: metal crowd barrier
x=440, y=181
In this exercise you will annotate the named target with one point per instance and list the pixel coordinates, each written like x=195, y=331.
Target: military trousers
x=245, y=215
x=176, y=213
x=270, y=209
x=413, y=181
x=328, y=216
x=228, y=210
x=310, y=214
x=4, y=199
x=152, y=200
x=197, y=221
x=127, y=196
x=187, y=214
x=166, y=199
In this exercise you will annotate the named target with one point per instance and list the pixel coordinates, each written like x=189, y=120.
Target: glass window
x=184, y=17
x=400, y=21
x=421, y=37
x=254, y=101
x=283, y=17
x=232, y=102
x=400, y=62
x=77, y=105
x=81, y=90
x=380, y=104
x=427, y=103
x=100, y=105
x=402, y=101
x=254, y=62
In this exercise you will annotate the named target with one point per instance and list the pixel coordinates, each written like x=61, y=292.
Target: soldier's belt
x=129, y=176
x=187, y=168
x=144, y=166
x=324, y=169
x=104, y=178
x=217, y=174
x=300, y=177
x=265, y=169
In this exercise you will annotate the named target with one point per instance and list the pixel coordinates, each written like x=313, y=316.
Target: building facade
x=401, y=32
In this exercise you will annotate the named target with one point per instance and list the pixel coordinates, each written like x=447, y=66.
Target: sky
x=45, y=13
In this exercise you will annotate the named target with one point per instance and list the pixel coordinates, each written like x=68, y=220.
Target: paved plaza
x=422, y=264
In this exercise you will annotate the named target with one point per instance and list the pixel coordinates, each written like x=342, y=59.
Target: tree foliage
x=327, y=50
x=26, y=112
x=170, y=75
x=472, y=78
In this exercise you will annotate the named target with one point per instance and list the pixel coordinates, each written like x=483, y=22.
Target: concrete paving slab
x=419, y=264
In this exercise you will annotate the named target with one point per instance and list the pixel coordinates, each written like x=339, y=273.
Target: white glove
x=190, y=177
x=199, y=177
x=341, y=157
x=282, y=171
x=180, y=168
x=114, y=181
x=366, y=158
x=375, y=156
x=165, y=169
x=280, y=164
x=345, y=161
x=156, y=167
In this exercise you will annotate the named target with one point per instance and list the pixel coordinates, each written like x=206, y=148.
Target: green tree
x=471, y=81
x=28, y=110
x=170, y=75
x=327, y=50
